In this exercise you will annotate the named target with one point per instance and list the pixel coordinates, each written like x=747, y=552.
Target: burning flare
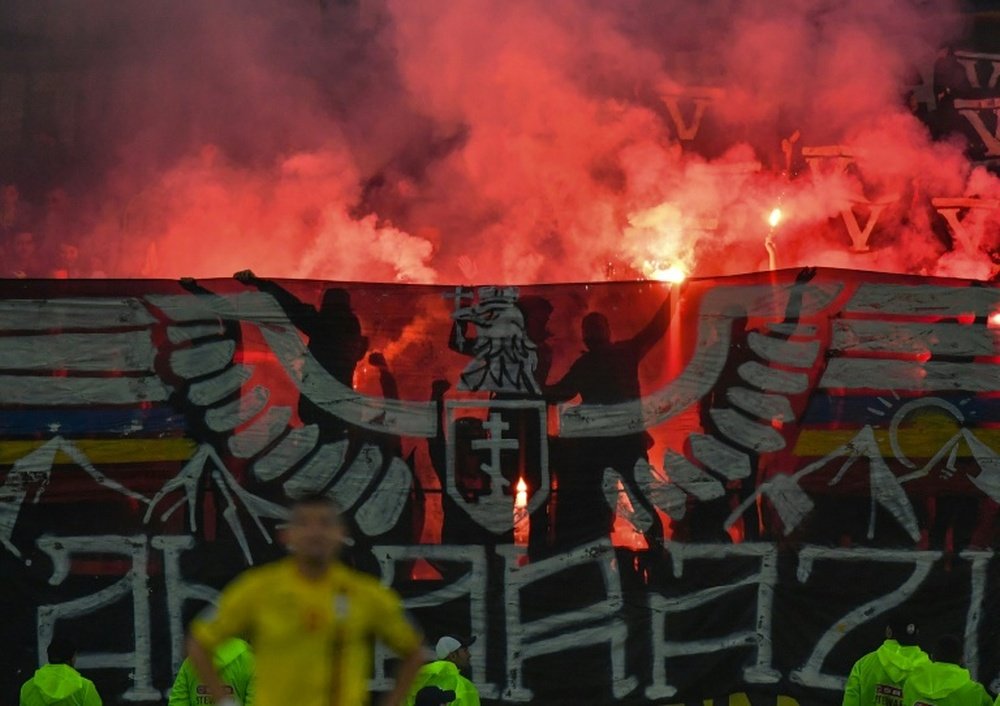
x=522, y=523
x=521, y=499
x=675, y=274
x=774, y=218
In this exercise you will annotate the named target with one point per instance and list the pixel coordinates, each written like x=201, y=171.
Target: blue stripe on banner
x=878, y=410
x=96, y=421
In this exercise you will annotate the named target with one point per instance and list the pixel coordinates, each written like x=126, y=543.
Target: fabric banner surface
x=633, y=492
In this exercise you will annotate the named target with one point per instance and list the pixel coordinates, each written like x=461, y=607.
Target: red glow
x=675, y=274
x=994, y=320
x=504, y=142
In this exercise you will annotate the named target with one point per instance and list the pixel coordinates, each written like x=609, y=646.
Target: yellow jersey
x=312, y=638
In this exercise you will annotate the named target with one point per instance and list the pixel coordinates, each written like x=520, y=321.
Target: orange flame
x=522, y=524
x=675, y=273
x=521, y=499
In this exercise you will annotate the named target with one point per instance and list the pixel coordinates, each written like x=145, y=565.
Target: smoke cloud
x=513, y=141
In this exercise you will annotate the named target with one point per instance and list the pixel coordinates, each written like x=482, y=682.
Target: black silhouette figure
x=606, y=373
x=335, y=341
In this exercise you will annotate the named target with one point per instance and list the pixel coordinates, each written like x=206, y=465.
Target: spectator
x=13, y=212
x=445, y=674
x=58, y=222
x=949, y=77
x=944, y=681
x=234, y=661
x=58, y=683
x=68, y=266
x=23, y=260
x=950, y=82
x=877, y=678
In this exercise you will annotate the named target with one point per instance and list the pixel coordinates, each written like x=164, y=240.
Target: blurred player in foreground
x=310, y=620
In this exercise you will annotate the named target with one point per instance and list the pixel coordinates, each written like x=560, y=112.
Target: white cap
x=445, y=646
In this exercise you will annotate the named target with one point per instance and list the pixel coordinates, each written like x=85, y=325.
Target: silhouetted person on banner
x=537, y=311
x=606, y=373
x=335, y=341
x=390, y=444
x=944, y=681
x=58, y=682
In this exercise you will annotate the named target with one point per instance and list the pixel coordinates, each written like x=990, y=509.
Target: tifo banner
x=629, y=492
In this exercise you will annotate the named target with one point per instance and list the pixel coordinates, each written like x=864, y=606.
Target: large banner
x=629, y=492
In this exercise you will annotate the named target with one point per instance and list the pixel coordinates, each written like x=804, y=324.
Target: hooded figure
x=944, y=682
x=877, y=678
x=57, y=683
x=234, y=662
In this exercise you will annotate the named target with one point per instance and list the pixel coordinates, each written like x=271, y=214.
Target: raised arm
x=459, y=340
x=794, y=307
x=390, y=389
x=302, y=315
x=654, y=330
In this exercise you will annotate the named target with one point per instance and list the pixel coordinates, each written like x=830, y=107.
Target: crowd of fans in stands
x=42, y=242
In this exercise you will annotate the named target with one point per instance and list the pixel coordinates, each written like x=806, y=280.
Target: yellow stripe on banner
x=107, y=450
x=922, y=442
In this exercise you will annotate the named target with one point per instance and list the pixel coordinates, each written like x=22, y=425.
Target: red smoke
x=513, y=140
